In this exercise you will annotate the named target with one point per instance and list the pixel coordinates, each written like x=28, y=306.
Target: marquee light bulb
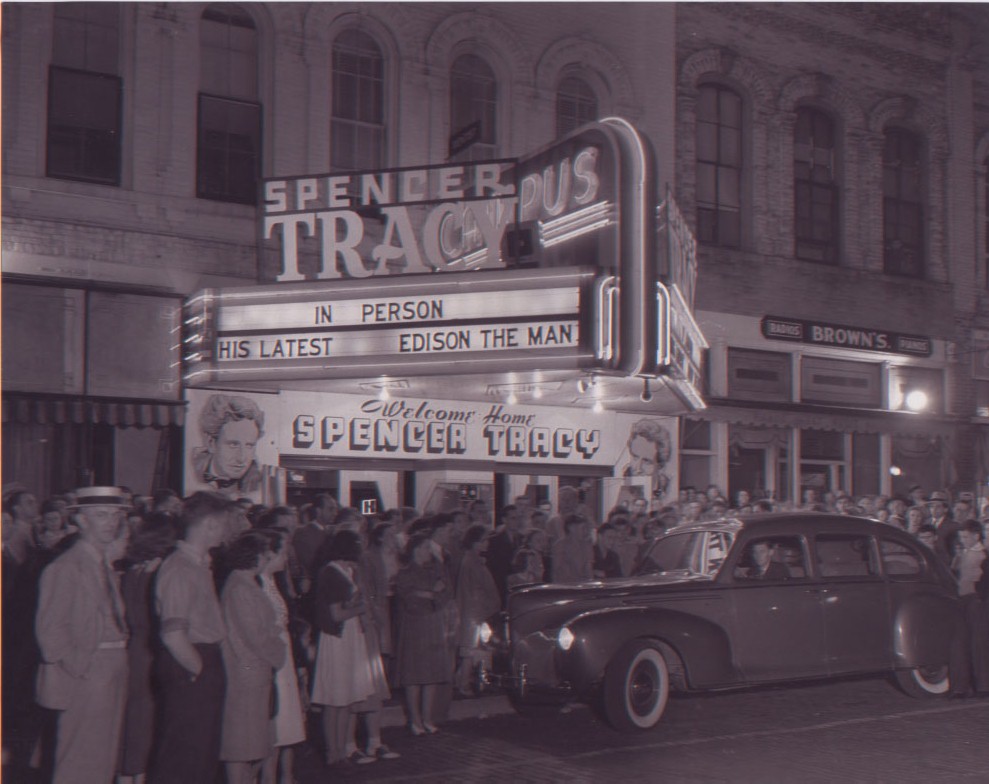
x=598, y=407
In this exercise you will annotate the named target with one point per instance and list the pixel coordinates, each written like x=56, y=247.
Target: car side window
x=772, y=558
x=900, y=561
x=845, y=555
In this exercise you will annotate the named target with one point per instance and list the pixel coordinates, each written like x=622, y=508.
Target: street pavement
x=856, y=730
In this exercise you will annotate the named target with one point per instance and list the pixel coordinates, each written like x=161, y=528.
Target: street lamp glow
x=895, y=470
x=916, y=400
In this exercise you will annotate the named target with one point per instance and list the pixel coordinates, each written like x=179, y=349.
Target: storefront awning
x=44, y=410
x=821, y=418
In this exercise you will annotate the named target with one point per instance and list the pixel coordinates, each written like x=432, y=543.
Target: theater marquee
x=495, y=268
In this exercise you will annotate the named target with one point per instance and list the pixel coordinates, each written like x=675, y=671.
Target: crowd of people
x=159, y=639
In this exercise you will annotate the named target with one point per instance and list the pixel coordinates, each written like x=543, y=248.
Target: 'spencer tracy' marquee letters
x=460, y=221
x=397, y=428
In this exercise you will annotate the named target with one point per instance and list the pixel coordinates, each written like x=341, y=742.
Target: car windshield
x=697, y=553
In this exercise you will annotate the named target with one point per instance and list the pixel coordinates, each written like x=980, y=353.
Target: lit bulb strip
x=607, y=297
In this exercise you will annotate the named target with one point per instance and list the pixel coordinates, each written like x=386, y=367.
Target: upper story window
x=85, y=93
x=474, y=99
x=815, y=187
x=228, y=159
x=576, y=105
x=903, y=204
x=719, y=166
x=357, y=130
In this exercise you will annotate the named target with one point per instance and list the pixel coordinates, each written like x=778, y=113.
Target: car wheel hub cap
x=642, y=689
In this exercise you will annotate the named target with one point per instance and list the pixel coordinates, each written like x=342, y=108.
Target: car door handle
x=815, y=591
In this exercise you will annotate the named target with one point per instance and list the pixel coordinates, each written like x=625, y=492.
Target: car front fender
x=703, y=647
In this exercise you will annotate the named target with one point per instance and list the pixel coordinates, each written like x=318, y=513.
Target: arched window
x=357, y=127
x=228, y=153
x=815, y=187
x=85, y=93
x=576, y=105
x=719, y=165
x=473, y=108
x=903, y=204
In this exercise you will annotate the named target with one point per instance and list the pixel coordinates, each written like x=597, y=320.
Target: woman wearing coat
x=252, y=651
x=477, y=600
x=423, y=655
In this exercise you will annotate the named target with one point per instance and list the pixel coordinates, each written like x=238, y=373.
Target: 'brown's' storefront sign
x=841, y=336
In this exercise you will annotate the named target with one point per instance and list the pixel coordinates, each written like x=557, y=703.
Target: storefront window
x=696, y=454
x=823, y=461
x=918, y=459
x=758, y=461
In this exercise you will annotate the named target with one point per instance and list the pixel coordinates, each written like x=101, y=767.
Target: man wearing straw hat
x=83, y=639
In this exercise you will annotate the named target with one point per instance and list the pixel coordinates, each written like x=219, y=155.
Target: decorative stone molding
x=726, y=64
x=905, y=109
x=590, y=61
x=821, y=88
x=493, y=39
x=367, y=22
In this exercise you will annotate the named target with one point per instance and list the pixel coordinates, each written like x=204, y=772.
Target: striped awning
x=45, y=410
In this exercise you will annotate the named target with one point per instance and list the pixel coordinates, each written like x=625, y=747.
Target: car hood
x=553, y=604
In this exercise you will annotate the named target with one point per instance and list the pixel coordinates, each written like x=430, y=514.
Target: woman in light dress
x=346, y=673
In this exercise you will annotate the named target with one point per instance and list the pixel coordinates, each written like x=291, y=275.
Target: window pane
x=83, y=140
x=707, y=104
x=473, y=97
x=730, y=106
x=728, y=195
x=706, y=184
x=358, y=102
x=719, y=142
x=228, y=64
x=86, y=36
x=229, y=150
x=576, y=104
x=844, y=555
x=730, y=148
x=707, y=142
x=903, y=206
x=900, y=561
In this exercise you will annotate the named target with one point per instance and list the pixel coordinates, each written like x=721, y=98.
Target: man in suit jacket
x=764, y=567
x=946, y=527
x=502, y=547
x=83, y=639
x=309, y=538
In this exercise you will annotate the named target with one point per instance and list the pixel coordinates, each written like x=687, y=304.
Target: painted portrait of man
x=649, y=448
x=230, y=427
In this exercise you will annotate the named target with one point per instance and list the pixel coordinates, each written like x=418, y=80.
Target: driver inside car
x=764, y=567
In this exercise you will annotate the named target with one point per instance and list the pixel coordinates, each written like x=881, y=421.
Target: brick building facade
x=144, y=191
x=847, y=116
x=118, y=206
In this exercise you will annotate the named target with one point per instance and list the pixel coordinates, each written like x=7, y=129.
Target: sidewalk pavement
x=460, y=708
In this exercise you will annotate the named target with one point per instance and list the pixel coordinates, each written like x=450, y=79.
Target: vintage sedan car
x=733, y=603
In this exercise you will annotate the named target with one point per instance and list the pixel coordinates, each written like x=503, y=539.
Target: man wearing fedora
x=943, y=523
x=83, y=639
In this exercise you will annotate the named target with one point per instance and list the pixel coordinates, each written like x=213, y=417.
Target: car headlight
x=484, y=633
x=565, y=639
